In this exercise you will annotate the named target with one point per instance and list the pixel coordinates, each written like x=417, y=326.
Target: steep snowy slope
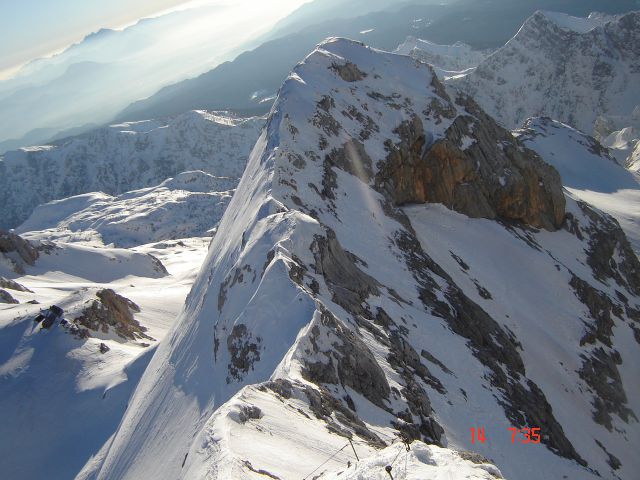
x=123, y=157
x=588, y=171
x=452, y=58
x=189, y=205
x=624, y=144
x=340, y=300
x=63, y=394
x=570, y=69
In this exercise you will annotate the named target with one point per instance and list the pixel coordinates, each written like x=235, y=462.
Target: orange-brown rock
x=478, y=169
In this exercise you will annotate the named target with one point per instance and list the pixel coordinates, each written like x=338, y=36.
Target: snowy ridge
x=326, y=310
x=452, y=58
x=577, y=24
x=566, y=68
x=188, y=205
x=123, y=157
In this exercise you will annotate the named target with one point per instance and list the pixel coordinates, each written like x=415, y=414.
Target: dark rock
x=324, y=406
x=349, y=72
x=249, y=412
x=600, y=371
x=281, y=387
x=157, y=265
x=494, y=348
x=613, y=461
x=244, y=351
x=5, y=297
x=600, y=307
x=104, y=348
x=349, y=362
x=349, y=285
x=260, y=471
x=474, y=457
x=17, y=251
x=606, y=241
x=111, y=310
x=11, y=285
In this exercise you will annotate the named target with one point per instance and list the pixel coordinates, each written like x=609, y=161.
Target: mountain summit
x=567, y=68
x=394, y=265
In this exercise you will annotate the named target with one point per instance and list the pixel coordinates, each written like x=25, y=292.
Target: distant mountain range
x=88, y=83
x=124, y=157
x=246, y=85
x=568, y=68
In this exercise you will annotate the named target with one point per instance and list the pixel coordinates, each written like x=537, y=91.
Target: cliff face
x=478, y=169
x=359, y=288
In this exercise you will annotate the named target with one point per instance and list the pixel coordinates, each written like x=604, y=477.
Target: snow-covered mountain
x=189, y=205
x=393, y=265
x=124, y=157
x=588, y=171
x=450, y=58
x=567, y=68
x=64, y=391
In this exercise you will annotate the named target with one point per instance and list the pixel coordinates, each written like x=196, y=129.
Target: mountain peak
x=340, y=301
x=431, y=146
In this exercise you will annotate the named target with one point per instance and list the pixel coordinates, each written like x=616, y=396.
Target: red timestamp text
x=524, y=435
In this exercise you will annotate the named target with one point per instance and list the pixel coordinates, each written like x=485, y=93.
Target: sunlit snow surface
x=185, y=419
x=62, y=398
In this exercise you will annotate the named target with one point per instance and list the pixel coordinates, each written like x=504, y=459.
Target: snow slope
x=61, y=397
x=588, y=171
x=326, y=309
x=567, y=68
x=188, y=205
x=123, y=157
x=624, y=144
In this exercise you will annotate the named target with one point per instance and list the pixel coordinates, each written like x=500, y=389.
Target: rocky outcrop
x=244, y=351
x=12, y=285
x=110, y=311
x=17, y=251
x=478, y=169
x=5, y=297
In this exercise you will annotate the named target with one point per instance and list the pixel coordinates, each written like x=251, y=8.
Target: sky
x=31, y=29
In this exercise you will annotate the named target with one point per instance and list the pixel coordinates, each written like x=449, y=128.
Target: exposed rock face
x=612, y=260
x=111, y=311
x=12, y=285
x=244, y=351
x=478, y=169
x=349, y=362
x=17, y=251
x=5, y=297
